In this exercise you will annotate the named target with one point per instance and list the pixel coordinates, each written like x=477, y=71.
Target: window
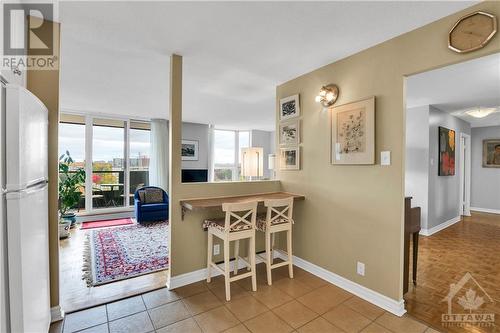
x=227, y=153
x=117, y=162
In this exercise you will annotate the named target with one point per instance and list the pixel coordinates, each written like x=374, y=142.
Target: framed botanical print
x=446, y=152
x=290, y=133
x=289, y=107
x=353, y=132
x=290, y=158
x=189, y=151
x=491, y=153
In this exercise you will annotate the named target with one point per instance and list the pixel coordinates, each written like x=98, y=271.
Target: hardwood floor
x=74, y=293
x=471, y=245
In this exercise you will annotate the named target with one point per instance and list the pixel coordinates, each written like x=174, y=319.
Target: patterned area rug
x=120, y=253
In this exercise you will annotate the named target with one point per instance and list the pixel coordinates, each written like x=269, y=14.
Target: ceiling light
x=328, y=95
x=481, y=112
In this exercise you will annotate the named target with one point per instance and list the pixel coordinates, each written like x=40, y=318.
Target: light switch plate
x=216, y=249
x=385, y=158
x=360, y=268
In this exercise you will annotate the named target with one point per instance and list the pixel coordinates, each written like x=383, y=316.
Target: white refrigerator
x=24, y=211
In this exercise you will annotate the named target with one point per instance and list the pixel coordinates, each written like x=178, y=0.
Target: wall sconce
x=328, y=95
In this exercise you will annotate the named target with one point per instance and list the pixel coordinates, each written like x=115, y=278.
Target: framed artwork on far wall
x=189, y=151
x=290, y=133
x=289, y=107
x=446, y=152
x=353, y=132
x=491, y=153
x=290, y=158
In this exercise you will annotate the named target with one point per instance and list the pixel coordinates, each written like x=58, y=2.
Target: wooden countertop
x=197, y=204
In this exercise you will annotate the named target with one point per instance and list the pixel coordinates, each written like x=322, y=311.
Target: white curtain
x=158, y=168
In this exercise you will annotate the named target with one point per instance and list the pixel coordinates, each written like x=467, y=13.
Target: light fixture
x=252, y=163
x=480, y=112
x=328, y=95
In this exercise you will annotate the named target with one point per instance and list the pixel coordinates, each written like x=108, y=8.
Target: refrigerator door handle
x=29, y=190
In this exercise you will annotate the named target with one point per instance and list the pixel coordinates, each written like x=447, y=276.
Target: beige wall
x=45, y=85
x=355, y=213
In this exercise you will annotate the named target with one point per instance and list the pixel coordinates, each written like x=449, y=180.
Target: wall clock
x=472, y=32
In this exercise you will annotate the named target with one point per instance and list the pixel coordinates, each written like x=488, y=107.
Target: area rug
x=114, y=254
x=106, y=223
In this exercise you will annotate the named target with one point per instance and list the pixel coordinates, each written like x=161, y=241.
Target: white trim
x=439, y=227
x=465, y=175
x=395, y=307
x=101, y=217
x=485, y=210
x=56, y=314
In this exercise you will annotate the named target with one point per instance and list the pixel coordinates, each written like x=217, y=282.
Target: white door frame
x=465, y=175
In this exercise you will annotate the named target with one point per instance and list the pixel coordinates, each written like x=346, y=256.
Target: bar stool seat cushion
x=260, y=223
x=221, y=224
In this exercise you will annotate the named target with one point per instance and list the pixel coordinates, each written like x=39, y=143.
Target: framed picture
x=290, y=133
x=289, y=107
x=491, y=153
x=290, y=158
x=189, y=151
x=446, y=152
x=353, y=133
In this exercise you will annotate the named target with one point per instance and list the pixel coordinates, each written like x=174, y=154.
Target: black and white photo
x=189, y=150
x=290, y=158
x=290, y=133
x=289, y=107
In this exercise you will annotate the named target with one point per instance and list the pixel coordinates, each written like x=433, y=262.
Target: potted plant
x=70, y=184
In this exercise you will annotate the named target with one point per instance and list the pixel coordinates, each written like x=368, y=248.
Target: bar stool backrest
x=241, y=212
x=279, y=209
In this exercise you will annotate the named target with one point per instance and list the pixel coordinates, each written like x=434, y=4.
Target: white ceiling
x=458, y=88
x=115, y=55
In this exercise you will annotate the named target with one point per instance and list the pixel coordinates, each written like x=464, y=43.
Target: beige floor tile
x=103, y=328
x=191, y=289
x=125, y=307
x=400, y=324
x=56, y=327
x=431, y=330
x=84, y=319
x=183, y=326
x=267, y=322
x=292, y=287
x=246, y=307
x=319, y=325
x=365, y=308
x=159, y=297
x=216, y=320
x=375, y=328
x=201, y=302
x=238, y=329
x=325, y=298
x=216, y=282
x=137, y=323
x=295, y=314
x=168, y=314
x=346, y=319
x=271, y=297
x=310, y=280
x=237, y=292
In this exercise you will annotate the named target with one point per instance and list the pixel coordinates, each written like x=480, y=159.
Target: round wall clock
x=472, y=32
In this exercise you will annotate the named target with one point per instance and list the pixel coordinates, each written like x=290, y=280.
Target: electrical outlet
x=216, y=249
x=361, y=269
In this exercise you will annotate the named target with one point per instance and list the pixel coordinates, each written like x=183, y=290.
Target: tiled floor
x=303, y=304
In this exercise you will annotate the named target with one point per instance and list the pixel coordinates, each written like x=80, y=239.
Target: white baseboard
x=485, y=210
x=102, y=217
x=395, y=307
x=439, y=227
x=56, y=314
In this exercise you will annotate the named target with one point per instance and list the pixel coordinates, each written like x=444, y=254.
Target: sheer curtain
x=158, y=168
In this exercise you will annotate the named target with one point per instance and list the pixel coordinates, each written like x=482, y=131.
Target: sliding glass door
x=115, y=154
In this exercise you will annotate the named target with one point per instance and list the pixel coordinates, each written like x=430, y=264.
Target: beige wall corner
x=45, y=85
x=355, y=213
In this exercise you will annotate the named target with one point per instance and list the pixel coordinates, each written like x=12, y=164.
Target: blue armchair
x=151, y=204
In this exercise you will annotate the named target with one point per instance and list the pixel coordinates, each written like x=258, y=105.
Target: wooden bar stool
x=238, y=224
x=278, y=218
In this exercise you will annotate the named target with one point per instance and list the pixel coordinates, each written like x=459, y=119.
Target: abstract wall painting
x=446, y=152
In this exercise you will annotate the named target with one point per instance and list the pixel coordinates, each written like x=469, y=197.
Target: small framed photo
x=189, y=151
x=290, y=133
x=290, y=158
x=289, y=107
x=491, y=153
